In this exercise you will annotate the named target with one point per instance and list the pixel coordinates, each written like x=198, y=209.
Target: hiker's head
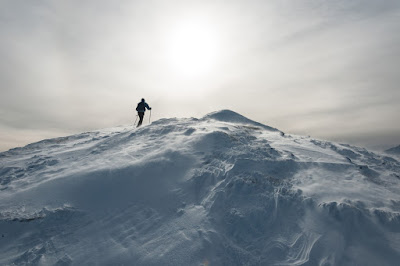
x=142, y=99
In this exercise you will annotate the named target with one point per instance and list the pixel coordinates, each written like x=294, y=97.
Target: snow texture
x=220, y=190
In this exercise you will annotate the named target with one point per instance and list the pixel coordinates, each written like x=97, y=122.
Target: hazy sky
x=328, y=69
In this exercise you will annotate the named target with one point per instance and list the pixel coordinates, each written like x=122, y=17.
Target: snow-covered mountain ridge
x=394, y=150
x=220, y=190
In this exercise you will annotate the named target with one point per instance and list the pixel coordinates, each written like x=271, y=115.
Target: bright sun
x=192, y=49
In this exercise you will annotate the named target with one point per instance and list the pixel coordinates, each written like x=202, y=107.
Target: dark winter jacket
x=141, y=107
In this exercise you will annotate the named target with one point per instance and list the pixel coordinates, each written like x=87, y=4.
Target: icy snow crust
x=221, y=190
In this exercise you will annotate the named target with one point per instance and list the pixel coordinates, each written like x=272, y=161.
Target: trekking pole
x=136, y=119
x=150, y=116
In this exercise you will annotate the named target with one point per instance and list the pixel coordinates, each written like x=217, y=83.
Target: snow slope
x=220, y=190
x=394, y=150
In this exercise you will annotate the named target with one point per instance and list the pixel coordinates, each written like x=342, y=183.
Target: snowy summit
x=394, y=150
x=220, y=190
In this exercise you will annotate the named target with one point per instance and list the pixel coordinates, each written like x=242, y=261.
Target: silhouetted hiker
x=141, y=108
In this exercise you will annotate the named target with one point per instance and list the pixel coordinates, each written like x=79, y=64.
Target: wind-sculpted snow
x=221, y=190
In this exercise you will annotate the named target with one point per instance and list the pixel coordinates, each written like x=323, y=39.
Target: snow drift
x=221, y=190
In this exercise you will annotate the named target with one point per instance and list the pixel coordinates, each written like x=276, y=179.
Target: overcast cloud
x=329, y=69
